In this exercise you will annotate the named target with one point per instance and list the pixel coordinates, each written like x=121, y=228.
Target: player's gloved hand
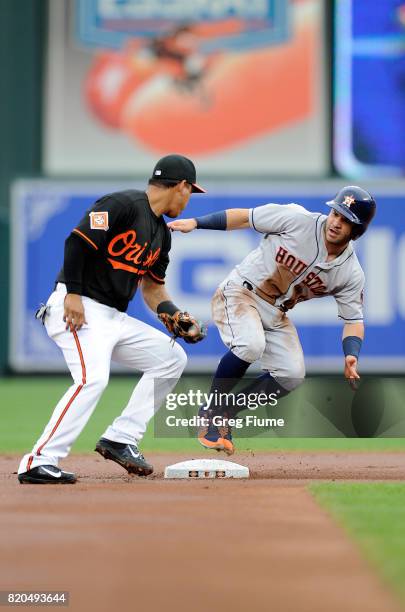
x=183, y=325
x=351, y=373
x=73, y=314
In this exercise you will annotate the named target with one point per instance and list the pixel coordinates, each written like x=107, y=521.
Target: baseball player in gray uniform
x=302, y=255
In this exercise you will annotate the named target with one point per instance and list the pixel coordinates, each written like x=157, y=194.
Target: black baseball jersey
x=125, y=240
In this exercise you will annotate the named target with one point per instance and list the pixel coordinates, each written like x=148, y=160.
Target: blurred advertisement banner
x=224, y=24
x=44, y=213
x=239, y=86
x=369, y=128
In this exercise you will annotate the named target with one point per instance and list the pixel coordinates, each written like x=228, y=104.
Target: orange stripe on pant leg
x=30, y=460
x=79, y=348
x=76, y=393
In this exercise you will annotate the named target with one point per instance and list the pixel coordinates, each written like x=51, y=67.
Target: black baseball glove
x=183, y=325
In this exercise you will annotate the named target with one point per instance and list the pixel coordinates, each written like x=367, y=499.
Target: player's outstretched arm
x=237, y=218
x=353, y=334
x=182, y=225
x=231, y=219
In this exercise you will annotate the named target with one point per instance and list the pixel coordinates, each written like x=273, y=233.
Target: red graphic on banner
x=168, y=91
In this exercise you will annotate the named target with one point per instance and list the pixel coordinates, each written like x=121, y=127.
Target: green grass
x=26, y=405
x=374, y=515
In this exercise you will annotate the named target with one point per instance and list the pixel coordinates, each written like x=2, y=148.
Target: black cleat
x=127, y=456
x=46, y=474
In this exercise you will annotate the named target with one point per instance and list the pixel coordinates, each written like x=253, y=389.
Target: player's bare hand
x=73, y=315
x=182, y=225
x=351, y=373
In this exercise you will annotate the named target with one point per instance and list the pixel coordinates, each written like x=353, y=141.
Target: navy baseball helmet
x=357, y=205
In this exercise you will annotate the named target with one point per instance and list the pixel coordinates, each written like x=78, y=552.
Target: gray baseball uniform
x=289, y=266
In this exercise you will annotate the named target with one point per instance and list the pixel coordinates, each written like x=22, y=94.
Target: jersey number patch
x=99, y=221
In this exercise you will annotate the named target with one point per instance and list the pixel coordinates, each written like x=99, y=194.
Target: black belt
x=250, y=287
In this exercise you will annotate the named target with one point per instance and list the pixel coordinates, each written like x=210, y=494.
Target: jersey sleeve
x=158, y=270
x=274, y=218
x=350, y=300
x=94, y=227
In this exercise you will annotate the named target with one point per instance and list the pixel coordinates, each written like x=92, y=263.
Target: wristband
x=216, y=221
x=168, y=307
x=352, y=346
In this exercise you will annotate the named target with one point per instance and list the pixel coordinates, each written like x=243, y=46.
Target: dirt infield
x=117, y=542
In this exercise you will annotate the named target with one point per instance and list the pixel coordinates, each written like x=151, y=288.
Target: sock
x=263, y=384
x=229, y=371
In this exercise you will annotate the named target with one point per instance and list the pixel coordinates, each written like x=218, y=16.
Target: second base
x=206, y=468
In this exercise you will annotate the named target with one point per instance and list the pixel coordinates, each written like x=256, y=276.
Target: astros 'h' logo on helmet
x=349, y=200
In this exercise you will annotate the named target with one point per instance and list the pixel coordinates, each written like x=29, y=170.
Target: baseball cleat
x=229, y=446
x=215, y=437
x=46, y=474
x=127, y=456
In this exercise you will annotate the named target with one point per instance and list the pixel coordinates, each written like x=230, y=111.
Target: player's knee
x=293, y=377
x=289, y=384
x=178, y=358
x=250, y=351
x=98, y=382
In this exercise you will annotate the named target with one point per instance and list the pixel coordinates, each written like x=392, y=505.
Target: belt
x=263, y=296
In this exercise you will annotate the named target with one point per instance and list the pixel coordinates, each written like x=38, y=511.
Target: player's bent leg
x=283, y=356
x=283, y=361
x=289, y=374
x=235, y=314
x=266, y=384
x=66, y=423
x=152, y=352
x=216, y=437
x=290, y=382
x=221, y=433
x=88, y=356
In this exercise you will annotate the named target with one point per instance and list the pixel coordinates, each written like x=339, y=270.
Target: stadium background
x=319, y=105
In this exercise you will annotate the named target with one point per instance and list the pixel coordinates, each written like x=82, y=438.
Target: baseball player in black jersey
x=121, y=243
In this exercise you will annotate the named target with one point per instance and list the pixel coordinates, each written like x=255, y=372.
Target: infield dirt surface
x=124, y=543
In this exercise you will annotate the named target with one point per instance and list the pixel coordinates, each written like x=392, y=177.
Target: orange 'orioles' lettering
x=125, y=244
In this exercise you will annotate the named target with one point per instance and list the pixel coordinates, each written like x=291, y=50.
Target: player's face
x=180, y=195
x=338, y=229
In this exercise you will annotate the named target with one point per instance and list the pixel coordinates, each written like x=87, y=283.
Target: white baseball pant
x=255, y=330
x=108, y=335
